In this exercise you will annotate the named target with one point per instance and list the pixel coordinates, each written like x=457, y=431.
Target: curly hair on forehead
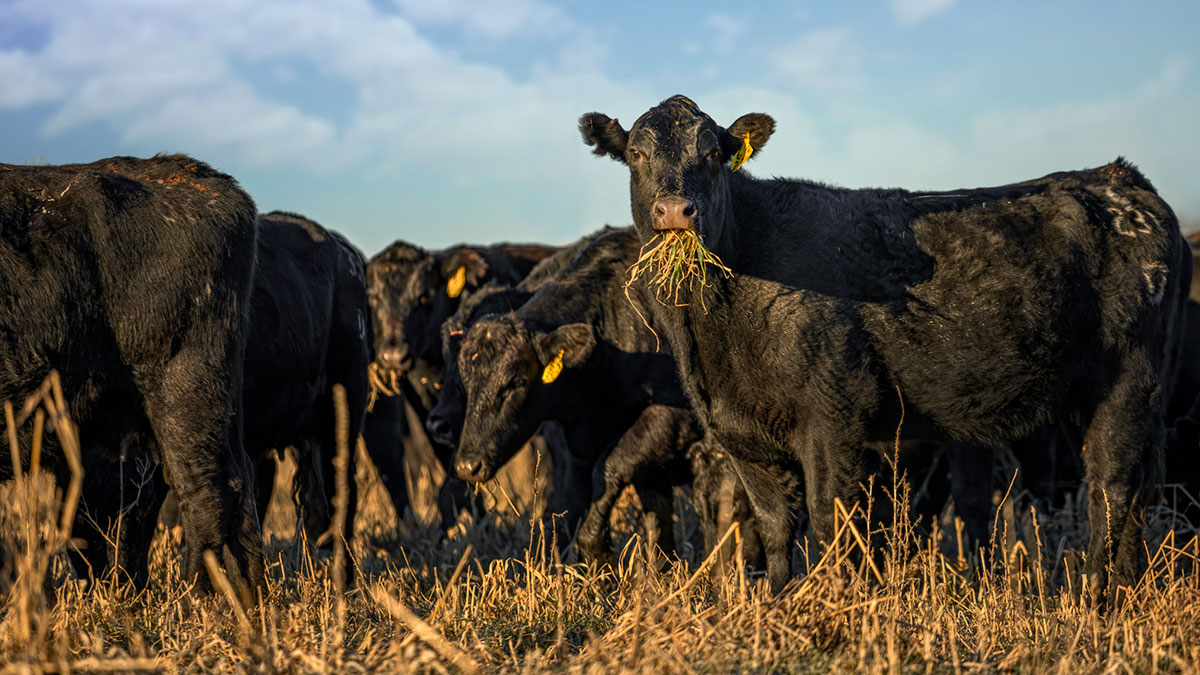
x=490, y=339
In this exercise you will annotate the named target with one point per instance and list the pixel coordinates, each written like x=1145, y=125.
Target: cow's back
x=309, y=302
x=1032, y=292
x=104, y=266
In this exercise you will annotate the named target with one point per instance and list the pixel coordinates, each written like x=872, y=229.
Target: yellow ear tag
x=553, y=369
x=455, y=286
x=743, y=153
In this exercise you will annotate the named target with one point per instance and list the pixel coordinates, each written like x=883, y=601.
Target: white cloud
x=827, y=58
x=1144, y=125
x=858, y=145
x=190, y=78
x=178, y=76
x=494, y=19
x=427, y=135
x=235, y=117
x=912, y=12
x=24, y=81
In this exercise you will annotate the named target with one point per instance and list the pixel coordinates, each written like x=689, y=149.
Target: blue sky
x=439, y=121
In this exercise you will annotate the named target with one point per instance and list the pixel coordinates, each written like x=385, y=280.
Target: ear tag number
x=553, y=369
x=743, y=153
x=455, y=286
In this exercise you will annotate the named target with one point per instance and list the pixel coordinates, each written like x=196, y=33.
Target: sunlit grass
x=493, y=596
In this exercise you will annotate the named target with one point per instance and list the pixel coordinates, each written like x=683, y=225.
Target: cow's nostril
x=689, y=210
x=439, y=427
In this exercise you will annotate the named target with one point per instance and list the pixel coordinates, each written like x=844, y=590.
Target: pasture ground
x=488, y=597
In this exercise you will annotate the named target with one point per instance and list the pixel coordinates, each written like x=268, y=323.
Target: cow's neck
x=855, y=245
x=786, y=241
x=696, y=337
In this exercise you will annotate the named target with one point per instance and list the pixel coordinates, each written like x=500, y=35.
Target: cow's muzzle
x=394, y=358
x=674, y=213
x=472, y=469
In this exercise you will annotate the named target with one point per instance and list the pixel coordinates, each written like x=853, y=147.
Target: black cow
x=131, y=277
x=661, y=449
x=577, y=353
x=1183, y=448
x=310, y=328
x=986, y=313
x=412, y=291
x=445, y=420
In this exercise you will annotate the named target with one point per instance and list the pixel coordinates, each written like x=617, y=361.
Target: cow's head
x=445, y=420
x=509, y=374
x=679, y=163
x=411, y=292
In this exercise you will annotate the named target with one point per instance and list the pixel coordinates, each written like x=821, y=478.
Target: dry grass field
x=492, y=596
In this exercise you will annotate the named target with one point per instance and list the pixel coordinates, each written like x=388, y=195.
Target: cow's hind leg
x=611, y=476
x=346, y=364
x=1122, y=445
x=191, y=410
x=386, y=432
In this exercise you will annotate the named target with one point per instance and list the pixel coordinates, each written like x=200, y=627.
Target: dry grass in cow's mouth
x=379, y=385
x=674, y=258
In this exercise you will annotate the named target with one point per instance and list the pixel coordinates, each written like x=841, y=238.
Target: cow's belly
x=990, y=359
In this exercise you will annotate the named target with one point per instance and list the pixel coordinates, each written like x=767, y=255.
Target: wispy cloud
x=1148, y=124
x=494, y=19
x=827, y=58
x=423, y=129
x=189, y=77
x=912, y=12
x=726, y=31
x=180, y=75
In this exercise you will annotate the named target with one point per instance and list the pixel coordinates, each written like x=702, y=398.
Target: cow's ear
x=752, y=128
x=605, y=133
x=567, y=346
x=464, y=268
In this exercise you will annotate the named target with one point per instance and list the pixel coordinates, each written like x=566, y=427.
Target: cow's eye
x=514, y=386
x=635, y=155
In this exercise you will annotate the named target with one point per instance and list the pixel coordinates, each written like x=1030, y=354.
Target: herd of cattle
x=193, y=335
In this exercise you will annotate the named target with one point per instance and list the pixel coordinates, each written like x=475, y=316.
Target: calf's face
x=679, y=163
x=510, y=375
x=411, y=293
x=445, y=420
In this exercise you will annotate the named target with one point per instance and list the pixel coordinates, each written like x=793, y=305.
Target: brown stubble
x=492, y=595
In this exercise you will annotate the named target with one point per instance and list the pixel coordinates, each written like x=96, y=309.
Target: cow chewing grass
x=673, y=258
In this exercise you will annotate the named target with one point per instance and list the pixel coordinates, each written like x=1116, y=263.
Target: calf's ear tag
x=553, y=369
x=743, y=153
x=455, y=286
